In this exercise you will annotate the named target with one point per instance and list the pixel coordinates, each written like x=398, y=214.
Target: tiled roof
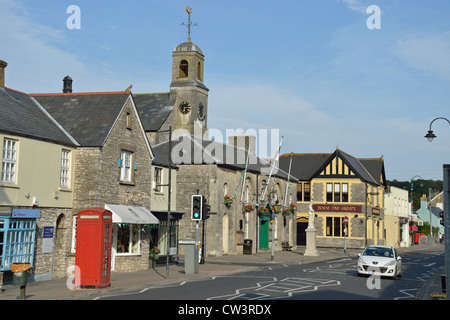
x=88, y=117
x=20, y=115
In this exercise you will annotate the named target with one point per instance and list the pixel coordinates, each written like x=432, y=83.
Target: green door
x=263, y=232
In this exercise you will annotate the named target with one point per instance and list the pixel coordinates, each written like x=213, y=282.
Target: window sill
x=128, y=254
x=9, y=185
x=127, y=183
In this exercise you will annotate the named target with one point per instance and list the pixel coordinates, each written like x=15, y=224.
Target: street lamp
x=430, y=135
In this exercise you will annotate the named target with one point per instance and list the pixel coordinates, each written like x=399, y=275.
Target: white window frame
x=9, y=160
x=131, y=244
x=126, y=168
x=64, y=181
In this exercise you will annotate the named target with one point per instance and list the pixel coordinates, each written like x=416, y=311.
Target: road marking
x=408, y=295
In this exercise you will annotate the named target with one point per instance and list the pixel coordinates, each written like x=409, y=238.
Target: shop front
x=130, y=237
x=17, y=237
x=159, y=234
x=340, y=225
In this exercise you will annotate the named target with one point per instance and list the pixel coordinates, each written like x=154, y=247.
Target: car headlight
x=361, y=261
x=390, y=263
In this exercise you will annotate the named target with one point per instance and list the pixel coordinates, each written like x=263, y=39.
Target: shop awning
x=131, y=214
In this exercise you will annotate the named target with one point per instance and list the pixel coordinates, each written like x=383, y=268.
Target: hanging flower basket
x=227, y=201
x=287, y=211
x=247, y=208
x=292, y=207
x=154, y=252
x=263, y=209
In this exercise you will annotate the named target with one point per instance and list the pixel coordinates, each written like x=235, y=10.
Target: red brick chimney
x=3, y=65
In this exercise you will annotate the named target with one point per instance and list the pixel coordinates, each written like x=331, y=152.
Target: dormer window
x=184, y=66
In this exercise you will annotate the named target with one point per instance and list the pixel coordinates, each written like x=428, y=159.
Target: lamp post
x=430, y=136
x=169, y=185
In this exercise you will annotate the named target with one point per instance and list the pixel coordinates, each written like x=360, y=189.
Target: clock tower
x=191, y=102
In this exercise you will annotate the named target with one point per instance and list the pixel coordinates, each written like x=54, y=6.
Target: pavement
x=214, y=266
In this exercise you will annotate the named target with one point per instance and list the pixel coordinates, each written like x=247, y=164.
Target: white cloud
x=429, y=54
x=355, y=5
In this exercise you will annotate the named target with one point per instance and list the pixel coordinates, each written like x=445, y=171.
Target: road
x=327, y=280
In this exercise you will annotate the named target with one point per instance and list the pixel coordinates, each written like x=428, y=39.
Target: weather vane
x=189, y=24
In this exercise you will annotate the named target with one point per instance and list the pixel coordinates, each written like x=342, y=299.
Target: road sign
x=346, y=220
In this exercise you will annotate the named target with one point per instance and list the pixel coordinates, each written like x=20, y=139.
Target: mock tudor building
x=347, y=196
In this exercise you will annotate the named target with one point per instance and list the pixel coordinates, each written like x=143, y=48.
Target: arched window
x=184, y=66
x=199, y=71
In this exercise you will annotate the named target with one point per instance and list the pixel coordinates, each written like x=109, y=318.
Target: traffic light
x=441, y=214
x=205, y=210
x=196, y=205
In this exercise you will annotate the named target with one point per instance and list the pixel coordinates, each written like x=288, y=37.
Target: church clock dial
x=201, y=112
x=184, y=107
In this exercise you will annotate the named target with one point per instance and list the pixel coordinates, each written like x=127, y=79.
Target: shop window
x=335, y=227
x=17, y=239
x=128, y=238
x=299, y=192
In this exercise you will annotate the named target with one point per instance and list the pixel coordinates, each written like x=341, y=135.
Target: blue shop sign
x=26, y=213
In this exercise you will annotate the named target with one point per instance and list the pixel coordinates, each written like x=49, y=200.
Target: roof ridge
x=76, y=93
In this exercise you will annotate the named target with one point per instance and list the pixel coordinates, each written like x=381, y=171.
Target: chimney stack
x=3, y=65
x=67, y=88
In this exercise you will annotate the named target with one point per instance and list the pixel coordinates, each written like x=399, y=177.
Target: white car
x=380, y=260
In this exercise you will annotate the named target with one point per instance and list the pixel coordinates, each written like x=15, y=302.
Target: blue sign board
x=48, y=232
x=26, y=213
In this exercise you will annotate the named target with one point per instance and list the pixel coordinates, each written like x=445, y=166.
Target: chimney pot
x=67, y=84
x=3, y=65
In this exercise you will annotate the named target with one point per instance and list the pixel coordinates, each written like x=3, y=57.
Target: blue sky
x=309, y=68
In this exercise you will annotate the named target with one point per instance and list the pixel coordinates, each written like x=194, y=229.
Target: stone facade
x=97, y=182
x=226, y=229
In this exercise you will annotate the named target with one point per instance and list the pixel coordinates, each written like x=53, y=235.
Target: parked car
x=380, y=260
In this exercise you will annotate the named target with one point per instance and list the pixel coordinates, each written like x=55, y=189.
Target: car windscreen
x=379, y=252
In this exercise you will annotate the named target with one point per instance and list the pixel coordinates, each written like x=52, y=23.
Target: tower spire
x=189, y=24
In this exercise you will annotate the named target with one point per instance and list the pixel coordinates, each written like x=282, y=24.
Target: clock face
x=184, y=107
x=201, y=111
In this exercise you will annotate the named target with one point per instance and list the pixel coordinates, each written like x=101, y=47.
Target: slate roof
x=306, y=166
x=88, y=117
x=154, y=109
x=21, y=116
x=203, y=151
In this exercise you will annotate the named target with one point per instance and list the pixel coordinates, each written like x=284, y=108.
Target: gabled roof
x=20, y=115
x=192, y=150
x=306, y=166
x=88, y=117
x=154, y=109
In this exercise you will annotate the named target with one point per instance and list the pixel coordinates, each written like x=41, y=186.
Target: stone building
x=217, y=171
x=339, y=186
x=113, y=170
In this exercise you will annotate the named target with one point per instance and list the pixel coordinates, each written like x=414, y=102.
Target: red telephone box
x=93, y=248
